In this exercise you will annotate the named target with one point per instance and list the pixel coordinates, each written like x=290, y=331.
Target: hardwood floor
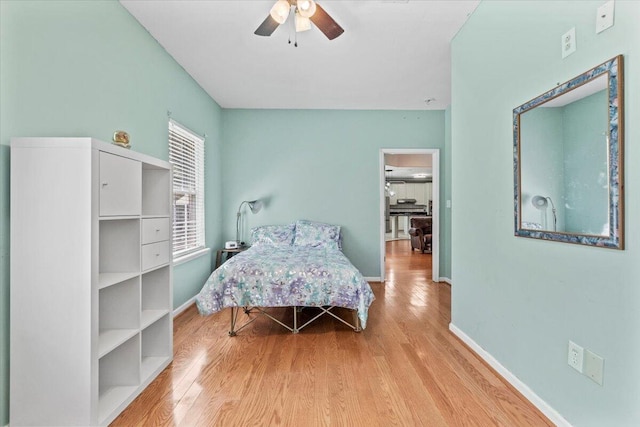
x=405, y=369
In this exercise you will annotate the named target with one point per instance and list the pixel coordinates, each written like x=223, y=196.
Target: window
x=186, y=154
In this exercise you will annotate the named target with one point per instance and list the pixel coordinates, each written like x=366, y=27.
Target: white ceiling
x=393, y=54
x=405, y=166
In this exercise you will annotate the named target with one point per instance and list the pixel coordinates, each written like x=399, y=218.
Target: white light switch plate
x=568, y=42
x=593, y=366
x=604, y=18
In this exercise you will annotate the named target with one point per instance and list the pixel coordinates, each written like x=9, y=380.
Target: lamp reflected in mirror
x=541, y=203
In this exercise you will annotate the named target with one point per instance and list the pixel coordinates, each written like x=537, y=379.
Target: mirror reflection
x=564, y=177
x=568, y=160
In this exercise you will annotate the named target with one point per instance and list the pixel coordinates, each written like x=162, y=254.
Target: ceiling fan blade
x=267, y=27
x=325, y=23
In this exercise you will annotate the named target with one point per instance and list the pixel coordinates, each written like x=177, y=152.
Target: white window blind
x=186, y=153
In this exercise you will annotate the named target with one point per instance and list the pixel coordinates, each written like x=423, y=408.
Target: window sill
x=190, y=256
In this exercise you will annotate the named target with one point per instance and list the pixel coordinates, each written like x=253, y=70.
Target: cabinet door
x=120, y=186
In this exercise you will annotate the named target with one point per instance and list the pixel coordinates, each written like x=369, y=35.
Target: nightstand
x=227, y=253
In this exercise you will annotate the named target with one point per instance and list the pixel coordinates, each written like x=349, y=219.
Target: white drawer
x=155, y=254
x=155, y=230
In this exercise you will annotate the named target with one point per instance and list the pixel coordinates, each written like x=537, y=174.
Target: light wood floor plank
x=405, y=369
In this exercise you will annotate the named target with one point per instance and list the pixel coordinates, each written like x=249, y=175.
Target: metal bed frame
x=260, y=311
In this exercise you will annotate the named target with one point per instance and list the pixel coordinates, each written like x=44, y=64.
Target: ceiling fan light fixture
x=302, y=23
x=280, y=11
x=306, y=8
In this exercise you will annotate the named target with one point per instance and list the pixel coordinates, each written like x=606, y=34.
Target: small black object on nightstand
x=227, y=253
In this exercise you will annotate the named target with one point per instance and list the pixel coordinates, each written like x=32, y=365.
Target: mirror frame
x=614, y=69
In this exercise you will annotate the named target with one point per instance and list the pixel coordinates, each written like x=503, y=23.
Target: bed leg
x=356, y=321
x=234, y=312
x=295, y=320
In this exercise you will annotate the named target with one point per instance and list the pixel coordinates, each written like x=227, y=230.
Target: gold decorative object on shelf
x=121, y=138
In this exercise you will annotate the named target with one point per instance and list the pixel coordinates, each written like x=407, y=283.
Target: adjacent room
x=296, y=212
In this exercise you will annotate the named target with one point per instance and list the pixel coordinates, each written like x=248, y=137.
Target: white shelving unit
x=91, y=279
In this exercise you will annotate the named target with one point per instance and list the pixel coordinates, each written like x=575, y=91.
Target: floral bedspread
x=282, y=276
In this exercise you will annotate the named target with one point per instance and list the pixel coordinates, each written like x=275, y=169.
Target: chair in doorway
x=420, y=233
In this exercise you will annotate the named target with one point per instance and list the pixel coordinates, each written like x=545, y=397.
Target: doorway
x=405, y=155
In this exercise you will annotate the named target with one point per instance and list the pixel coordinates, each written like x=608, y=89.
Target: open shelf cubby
x=119, y=246
x=118, y=314
x=156, y=346
x=118, y=376
x=156, y=199
x=108, y=279
x=156, y=294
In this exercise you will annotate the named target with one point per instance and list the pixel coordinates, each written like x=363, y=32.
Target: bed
x=298, y=265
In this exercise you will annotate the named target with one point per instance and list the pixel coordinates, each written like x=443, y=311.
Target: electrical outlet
x=604, y=16
x=568, y=42
x=593, y=366
x=575, y=356
x=448, y=203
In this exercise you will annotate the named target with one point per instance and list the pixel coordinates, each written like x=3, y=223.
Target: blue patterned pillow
x=317, y=235
x=273, y=235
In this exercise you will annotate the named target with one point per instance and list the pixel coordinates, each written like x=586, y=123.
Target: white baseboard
x=535, y=400
x=184, y=306
x=373, y=279
x=444, y=279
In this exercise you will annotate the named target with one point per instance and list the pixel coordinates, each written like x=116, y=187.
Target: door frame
x=435, y=234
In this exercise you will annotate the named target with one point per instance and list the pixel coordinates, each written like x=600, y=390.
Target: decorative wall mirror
x=567, y=160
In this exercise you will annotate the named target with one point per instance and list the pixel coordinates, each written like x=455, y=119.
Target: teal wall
x=320, y=165
x=87, y=68
x=520, y=299
x=445, y=194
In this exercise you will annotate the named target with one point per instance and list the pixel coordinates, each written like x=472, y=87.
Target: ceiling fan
x=306, y=11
